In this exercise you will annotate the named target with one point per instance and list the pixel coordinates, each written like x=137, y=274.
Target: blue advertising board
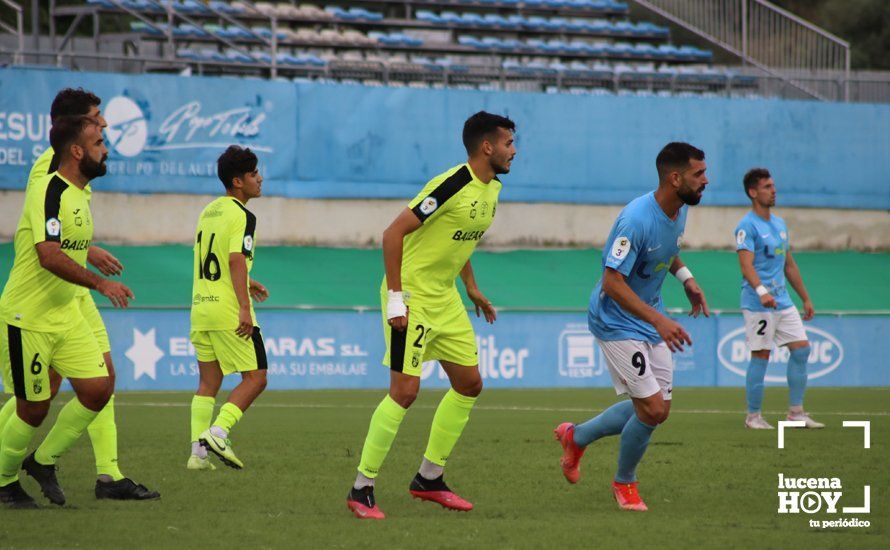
x=343, y=349
x=327, y=140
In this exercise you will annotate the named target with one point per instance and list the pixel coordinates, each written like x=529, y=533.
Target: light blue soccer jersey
x=768, y=240
x=641, y=246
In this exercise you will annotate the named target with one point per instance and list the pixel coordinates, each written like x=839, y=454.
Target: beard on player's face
x=92, y=169
x=688, y=195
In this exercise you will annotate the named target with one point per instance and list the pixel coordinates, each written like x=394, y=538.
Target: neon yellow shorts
x=234, y=353
x=91, y=313
x=27, y=354
x=442, y=332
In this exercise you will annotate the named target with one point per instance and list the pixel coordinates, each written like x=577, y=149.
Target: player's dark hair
x=73, y=102
x=753, y=177
x=66, y=130
x=676, y=156
x=480, y=126
x=234, y=163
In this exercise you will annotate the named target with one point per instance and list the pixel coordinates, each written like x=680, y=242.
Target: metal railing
x=18, y=30
x=765, y=36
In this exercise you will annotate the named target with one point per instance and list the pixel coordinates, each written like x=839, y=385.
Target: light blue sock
x=634, y=440
x=754, y=383
x=609, y=422
x=797, y=375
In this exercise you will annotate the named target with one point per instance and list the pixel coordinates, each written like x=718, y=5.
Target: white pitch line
x=489, y=408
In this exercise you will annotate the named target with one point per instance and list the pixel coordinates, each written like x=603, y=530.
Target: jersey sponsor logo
x=461, y=235
x=53, y=227
x=248, y=243
x=82, y=244
x=429, y=205
x=199, y=298
x=826, y=355
x=620, y=248
x=740, y=237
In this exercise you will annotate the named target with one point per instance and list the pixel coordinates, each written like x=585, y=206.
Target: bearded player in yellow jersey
x=424, y=250
x=110, y=482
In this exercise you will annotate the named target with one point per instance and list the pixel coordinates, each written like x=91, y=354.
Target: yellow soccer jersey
x=456, y=209
x=225, y=227
x=45, y=164
x=34, y=298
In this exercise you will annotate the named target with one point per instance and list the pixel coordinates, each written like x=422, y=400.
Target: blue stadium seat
x=476, y=20
x=238, y=57
x=338, y=12
x=668, y=50
x=144, y=28
x=211, y=54
x=363, y=14
x=514, y=21
x=598, y=25
x=186, y=53
x=428, y=16
x=510, y=44
x=469, y=41
x=495, y=20
x=225, y=7
x=535, y=23
x=101, y=4
x=190, y=6
x=450, y=17
x=234, y=31
x=490, y=42
x=262, y=57
x=556, y=24
x=647, y=51
x=143, y=6
x=266, y=32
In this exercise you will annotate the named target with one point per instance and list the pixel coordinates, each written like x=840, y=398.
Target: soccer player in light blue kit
x=628, y=318
x=770, y=316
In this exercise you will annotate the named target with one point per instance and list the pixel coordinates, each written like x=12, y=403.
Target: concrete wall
x=163, y=218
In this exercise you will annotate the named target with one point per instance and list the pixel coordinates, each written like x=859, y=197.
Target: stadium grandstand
x=575, y=46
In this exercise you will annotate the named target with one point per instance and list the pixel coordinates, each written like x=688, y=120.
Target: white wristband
x=761, y=290
x=395, y=305
x=683, y=274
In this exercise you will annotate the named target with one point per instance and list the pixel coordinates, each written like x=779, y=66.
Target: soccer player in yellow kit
x=224, y=329
x=110, y=482
x=424, y=250
x=42, y=324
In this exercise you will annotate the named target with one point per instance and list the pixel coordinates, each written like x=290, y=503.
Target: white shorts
x=766, y=329
x=639, y=369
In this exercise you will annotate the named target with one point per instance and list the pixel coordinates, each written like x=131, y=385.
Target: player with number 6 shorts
x=424, y=318
x=628, y=318
x=771, y=320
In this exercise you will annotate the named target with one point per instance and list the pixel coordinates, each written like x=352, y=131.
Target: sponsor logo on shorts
x=826, y=354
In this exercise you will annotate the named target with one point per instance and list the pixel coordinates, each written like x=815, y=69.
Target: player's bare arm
x=56, y=262
x=483, y=306
x=615, y=286
x=694, y=293
x=792, y=273
x=238, y=270
x=746, y=262
x=406, y=222
x=104, y=261
x=258, y=291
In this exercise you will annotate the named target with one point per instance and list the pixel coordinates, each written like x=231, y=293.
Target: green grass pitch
x=708, y=481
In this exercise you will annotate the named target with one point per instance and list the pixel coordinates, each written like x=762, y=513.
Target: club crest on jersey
x=429, y=205
x=740, y=237
x=620, y=248
x=53, y=227
x=248, y=243
x=783, y=235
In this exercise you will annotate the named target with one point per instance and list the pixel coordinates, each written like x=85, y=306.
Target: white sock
x=796, y=409
x=219, y=432
x=428, y=470
x=361, y=480
x=752, y=416
x=198, y=450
